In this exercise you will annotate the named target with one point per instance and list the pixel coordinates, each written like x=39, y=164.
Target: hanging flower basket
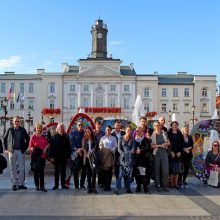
x=101, y=109
x=151, y=114
x=51, y=111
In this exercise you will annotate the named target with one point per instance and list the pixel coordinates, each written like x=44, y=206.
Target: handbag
x=213, y=178
x=3, y=163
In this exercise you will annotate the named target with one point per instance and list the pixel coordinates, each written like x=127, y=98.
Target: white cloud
x=10, y=62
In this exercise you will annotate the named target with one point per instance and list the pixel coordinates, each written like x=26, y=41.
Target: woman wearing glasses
x=212, y=160
x=159, y=145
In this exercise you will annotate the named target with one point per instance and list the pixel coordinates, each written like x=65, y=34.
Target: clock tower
x=99, y=40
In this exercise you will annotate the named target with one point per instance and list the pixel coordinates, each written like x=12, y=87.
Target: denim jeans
x=127, y=179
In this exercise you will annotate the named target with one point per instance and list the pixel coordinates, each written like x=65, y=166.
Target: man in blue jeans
x=16, y=142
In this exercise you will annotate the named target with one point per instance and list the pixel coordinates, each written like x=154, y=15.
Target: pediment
x=99, y=71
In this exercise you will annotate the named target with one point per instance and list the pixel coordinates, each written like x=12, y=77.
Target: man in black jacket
x=16, y=142
x=60, y=153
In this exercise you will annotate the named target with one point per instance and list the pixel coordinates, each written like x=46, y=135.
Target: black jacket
x=58, y=150
x=9, y=139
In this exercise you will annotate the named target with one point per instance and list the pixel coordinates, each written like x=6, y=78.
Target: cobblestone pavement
x=199, y=201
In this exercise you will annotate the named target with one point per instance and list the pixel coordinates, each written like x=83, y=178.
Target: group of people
x=133, y=155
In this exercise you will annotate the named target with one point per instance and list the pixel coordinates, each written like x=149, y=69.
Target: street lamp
x=193, y=114
x=170, y=115
x=29, y=120
x=4, y=104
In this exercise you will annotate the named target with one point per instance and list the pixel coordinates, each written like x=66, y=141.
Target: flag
x=14, y=96
x=22, y=97
x=18, y=97
x=9, y=94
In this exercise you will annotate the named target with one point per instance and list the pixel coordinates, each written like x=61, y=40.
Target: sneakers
x=83, y=187
x=14, y=188
x=22, y=187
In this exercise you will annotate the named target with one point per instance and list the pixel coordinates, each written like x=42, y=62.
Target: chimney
x=40, y=71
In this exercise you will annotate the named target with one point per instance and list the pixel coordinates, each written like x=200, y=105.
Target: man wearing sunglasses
x=16, y=142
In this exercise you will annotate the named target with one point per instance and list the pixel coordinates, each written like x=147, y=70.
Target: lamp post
x=4, y=104
x=193, y=115
x=29, y=120
x=170, y=115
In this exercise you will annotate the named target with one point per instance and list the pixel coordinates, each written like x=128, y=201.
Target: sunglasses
x=17, y=121
x=79, y=125
x=215, y=145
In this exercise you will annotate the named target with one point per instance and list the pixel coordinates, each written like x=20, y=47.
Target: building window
x=186, y=107
x=31, y=104
x=204, y=107
x=72, y=103
x=85, y=87
x=175, y=107
x=22, y=88
x=2, y=87
x=186, y=92
x=31, y=87
x=126, y=88
x=164, y=107
x=52, y=88
x=147, y=107
x=175, y=92
x=12, y=105
x=126, y=103
x=112, y=102
x=204, y=92
x=99, y=102
x=72, y=88
x=12, y=87
x=21, y=104
x=146, y=92
x=112, y=88
x=164, y=92
x=52, y=103
x=85, y=102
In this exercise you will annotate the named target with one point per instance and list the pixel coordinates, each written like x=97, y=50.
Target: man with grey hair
x=162, y=122
x=16, y=142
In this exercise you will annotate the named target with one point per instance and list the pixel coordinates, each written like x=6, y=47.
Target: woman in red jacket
x=38, y=146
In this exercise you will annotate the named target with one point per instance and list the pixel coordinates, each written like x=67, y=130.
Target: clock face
x=99, y=35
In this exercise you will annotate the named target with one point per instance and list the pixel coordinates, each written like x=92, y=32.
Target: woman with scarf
x=142, y=162
x=89, y=143
x=126, y=160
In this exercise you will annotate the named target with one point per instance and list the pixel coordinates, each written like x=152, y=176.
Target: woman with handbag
x=90, y=145
x=38, y=146
x=212, y=160
x=177, y=142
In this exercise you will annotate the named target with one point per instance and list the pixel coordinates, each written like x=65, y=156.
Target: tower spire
x=99, y=40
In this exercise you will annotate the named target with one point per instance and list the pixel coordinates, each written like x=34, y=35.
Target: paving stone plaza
x=199, y=201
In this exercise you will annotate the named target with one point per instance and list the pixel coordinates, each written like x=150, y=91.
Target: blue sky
x=155, y=35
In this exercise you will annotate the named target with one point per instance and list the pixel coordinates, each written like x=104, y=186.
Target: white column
x=119, y=94
x=92, y=92
x=106, y=95
x=79, y=94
